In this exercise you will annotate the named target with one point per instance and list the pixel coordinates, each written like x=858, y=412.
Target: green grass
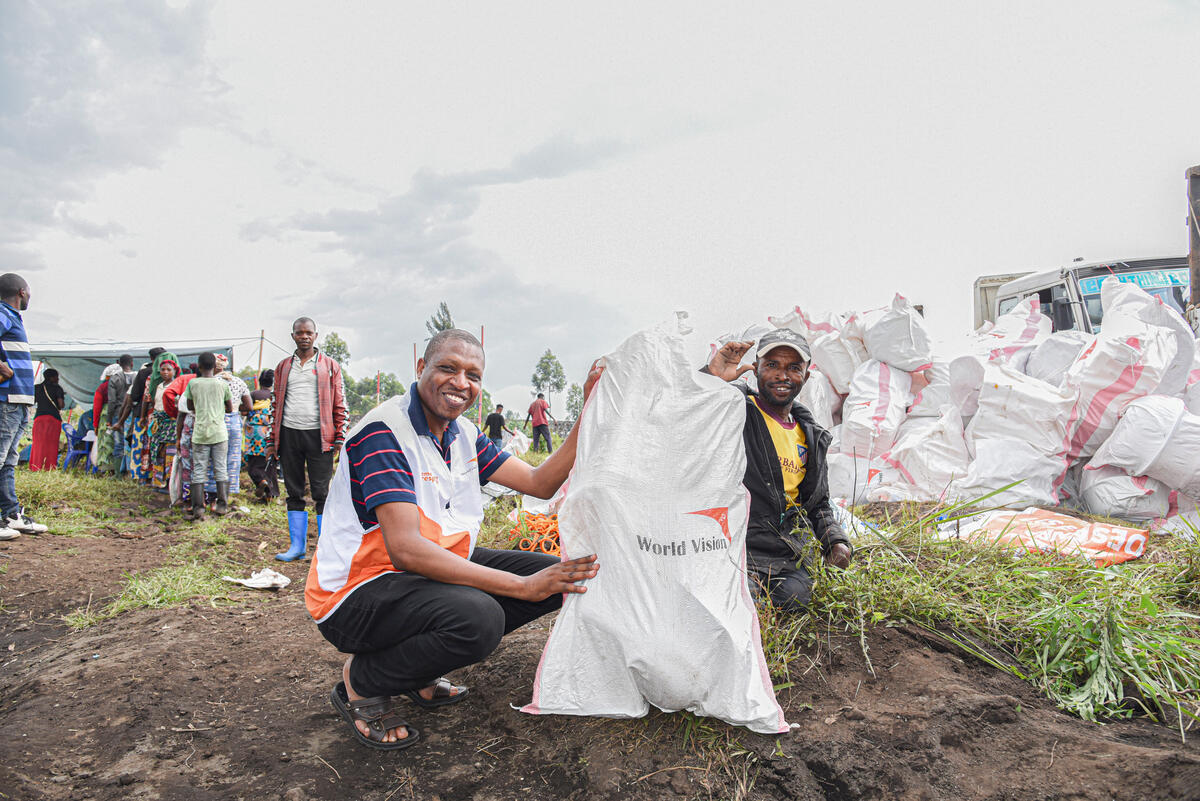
x=1101, y=643
x=71, y=502
x=163, y=587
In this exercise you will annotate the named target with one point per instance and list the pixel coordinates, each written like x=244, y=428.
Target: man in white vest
x=397, y=581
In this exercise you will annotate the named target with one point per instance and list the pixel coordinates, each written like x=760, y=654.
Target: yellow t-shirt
x=792, y=448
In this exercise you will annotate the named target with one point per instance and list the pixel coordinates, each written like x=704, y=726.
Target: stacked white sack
x=1157, y=437
x=1129, y=359
x=1128, y=307
x=818, y=396
x=1051, y=359
x=669, y=619
x=1191, y=394
x=931, y=390
x=929, y=455
x=838, y=358
x=1017, y=434
x=809, y=326
x=1111, y=491
x=854, y=479
x=1014, y=336
x=898, y=337
x=874, y=409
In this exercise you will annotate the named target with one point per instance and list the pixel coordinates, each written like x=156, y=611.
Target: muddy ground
x=231, y=702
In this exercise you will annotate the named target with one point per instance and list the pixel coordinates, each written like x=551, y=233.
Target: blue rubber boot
x=319, y=524
x=298, y=530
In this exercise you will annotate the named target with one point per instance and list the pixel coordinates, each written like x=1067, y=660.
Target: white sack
x=999, y=462
x=1119, y=366
x=1128, y=307
x=931, y=390
x=1191, y=393
x=838, y=358
x=1156, y=437
x=1050, y=360
x=855, y=326
x=966, y=377
x=819, y=397
x=1014, y=406
x=874, y=409
x=517, y=444
x=929, y=455
x=809, y=326
x=1015, y=334
x=1113, y=492
x=669, y=619
x=898, y=337
x=851, y=478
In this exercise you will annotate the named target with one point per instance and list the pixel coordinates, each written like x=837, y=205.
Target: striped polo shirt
x=380, y=473
x=14, y=345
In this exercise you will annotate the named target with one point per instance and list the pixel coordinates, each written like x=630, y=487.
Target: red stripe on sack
x=1099, y=404
x=887, y=459
x=808, y=323
x=885, y=395
x=1140, y=483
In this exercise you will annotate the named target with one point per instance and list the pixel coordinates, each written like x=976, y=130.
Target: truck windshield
x=1170, y=286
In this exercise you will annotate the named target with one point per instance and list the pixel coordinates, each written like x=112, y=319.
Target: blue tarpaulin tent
x=80, y=362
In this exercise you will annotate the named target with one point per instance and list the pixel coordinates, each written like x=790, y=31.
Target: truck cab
x=1070, y=296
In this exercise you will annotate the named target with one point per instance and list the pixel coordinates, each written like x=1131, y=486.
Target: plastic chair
x=77, y=446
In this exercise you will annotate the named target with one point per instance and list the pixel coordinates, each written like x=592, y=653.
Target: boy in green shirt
x=209, y=399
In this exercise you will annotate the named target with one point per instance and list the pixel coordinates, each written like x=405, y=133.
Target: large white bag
x=669, y=619
x=932, y=392
x=1128, y=308
x=1156, y=437
x=1000, y=462
x=809, y=326
x=819, y=397
x=1051, y=359
x=874, y=409
x=930, y=454
x=838, y=357
x=898, y=337
x=1113, y=492
x=853, y=479
x=966, y=378
x=1014, y=406
x=1126, y=361
x=1191, y=394
x=1014, y=335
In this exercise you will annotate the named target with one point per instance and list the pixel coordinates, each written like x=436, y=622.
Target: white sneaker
x=23, y=523
x=8, y=534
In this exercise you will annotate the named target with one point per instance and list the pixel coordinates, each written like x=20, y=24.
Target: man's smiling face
x=450, y=381
x=781, y=373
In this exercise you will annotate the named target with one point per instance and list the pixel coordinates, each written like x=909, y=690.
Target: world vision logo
x=721, y=515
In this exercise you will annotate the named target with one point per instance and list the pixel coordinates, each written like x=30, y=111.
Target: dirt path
x=231, y=702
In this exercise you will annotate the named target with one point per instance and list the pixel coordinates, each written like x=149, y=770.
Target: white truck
x=1070, y=295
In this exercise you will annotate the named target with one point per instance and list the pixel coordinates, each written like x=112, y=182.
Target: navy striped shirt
x=379, y=471
x=15, y=347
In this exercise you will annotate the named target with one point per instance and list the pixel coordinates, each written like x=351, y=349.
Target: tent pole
x=262, y=337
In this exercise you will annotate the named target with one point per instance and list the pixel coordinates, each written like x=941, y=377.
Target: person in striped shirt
x=16, y=402
x=397, y=581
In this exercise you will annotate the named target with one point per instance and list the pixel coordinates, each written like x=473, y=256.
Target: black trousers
x=790, y=589
x=406, y=630
x=300, y=450
x=544, y=432
x=260, y=469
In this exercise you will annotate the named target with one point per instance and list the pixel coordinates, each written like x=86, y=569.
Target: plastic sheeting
x=669, y=619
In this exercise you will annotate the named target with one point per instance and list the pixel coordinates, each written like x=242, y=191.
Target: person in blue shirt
x=16, y=400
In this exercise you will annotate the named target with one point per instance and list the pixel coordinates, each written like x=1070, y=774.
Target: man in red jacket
x=308, y=428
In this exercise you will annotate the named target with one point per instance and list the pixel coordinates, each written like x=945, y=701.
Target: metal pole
x=1193, y=182
x=262, y=337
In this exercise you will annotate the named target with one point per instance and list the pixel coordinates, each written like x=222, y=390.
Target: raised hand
x=725, y=362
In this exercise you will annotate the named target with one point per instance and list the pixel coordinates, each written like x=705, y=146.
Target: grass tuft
x=173, y=585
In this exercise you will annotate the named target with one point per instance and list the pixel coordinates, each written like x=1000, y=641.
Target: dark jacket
x=777, y=533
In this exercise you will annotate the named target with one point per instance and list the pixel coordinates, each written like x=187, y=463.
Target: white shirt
x=301, y=409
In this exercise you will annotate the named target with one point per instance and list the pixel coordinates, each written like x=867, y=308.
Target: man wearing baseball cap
x=785, y=469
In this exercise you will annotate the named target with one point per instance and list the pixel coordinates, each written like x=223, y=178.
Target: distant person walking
x=47, y=422
x=16, y=402
x=496, y=426
x=309, y=427
x=258, y=439
x=539, y=410
x=209, y=399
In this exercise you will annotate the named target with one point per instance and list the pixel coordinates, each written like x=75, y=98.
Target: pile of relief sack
x=1107, y=424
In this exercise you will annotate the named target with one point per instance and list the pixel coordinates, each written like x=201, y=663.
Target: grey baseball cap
x=783, y=337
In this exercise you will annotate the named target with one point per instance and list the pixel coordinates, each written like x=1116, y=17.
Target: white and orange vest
x=448, y=501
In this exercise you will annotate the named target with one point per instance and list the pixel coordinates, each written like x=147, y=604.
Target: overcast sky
x=565, y=175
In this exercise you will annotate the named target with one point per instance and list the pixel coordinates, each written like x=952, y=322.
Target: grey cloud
x=87, y=89
x=413, y=250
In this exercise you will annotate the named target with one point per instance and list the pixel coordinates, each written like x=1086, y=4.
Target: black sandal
x=377, y=714
x=442, y=694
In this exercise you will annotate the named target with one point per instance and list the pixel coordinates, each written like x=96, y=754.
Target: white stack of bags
x=1107, y=423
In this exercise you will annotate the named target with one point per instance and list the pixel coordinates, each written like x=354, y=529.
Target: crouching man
x=397, y=581
x=786, y=473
